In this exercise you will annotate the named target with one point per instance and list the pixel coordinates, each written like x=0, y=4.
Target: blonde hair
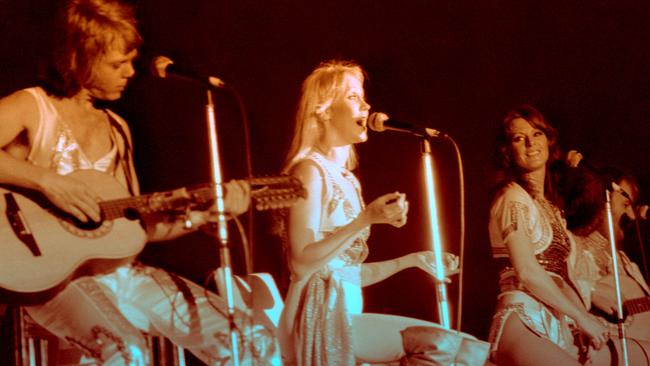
x=88, y=29
x=319, y=90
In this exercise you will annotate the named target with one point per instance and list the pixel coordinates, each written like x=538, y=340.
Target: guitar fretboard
x=268, y=192
x=638, y=305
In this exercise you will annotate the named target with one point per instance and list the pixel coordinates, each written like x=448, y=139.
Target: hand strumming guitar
x=71, y=195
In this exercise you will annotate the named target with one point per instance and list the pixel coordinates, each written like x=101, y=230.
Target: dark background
x=456, y=66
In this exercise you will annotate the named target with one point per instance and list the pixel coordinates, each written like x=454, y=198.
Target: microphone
x=380, y=122
x=163, y=66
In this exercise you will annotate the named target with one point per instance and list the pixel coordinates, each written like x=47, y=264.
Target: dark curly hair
x=584, y=195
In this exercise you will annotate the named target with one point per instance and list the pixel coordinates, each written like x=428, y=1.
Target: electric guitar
x=42, y=249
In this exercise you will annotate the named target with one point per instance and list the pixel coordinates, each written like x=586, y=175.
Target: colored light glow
x=433, y=217
x=436, y=242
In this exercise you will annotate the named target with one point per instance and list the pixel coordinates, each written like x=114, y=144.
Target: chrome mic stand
x=617, y=287
x=434, y=226
x=222, y=227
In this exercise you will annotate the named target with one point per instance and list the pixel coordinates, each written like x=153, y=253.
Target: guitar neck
x=268, y=192
x=638, y=305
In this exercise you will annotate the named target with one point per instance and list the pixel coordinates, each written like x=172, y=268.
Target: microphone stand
x=617, y=284
x=441, y=286
x=221, y=226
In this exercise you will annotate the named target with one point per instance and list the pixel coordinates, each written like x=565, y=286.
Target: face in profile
x=348, y=115
x=111, y=73
x=622, y=206
x=528, y=145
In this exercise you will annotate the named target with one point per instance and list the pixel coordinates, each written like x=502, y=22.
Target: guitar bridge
x=19, y=226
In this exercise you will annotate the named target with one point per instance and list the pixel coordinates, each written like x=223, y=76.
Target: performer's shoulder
x=512, y=191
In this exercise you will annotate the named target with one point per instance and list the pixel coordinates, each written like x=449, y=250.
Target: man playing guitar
x=50, y=133
x=587, y=218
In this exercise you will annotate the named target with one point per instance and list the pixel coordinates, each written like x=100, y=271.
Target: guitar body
x=637, y=325
x=34, y=271
x=42, y=249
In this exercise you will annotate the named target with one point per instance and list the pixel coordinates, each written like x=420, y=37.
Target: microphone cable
x=247, y=245
x=461, y=255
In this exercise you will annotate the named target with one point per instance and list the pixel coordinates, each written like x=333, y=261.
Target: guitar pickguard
x=19, y=226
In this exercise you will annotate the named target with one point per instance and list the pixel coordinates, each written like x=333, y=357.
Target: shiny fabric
x=539, y=318
x=323, y=324
x=433, y=346
x=104, y=315
x=54, y=146
x=539, y=220
x=514, y=210
x=315, y=329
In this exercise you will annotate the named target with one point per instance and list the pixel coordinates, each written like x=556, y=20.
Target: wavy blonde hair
x=319, y=90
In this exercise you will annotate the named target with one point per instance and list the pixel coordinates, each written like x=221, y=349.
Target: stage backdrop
x=454, y=66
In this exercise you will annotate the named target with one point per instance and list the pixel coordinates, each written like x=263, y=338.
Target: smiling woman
x=540, y=317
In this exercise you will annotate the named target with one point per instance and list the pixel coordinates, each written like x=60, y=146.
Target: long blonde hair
x=319, y=90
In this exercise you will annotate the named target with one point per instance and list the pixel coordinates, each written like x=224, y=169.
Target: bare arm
x=533, y=277
x=372, y=273
x=306, y=253
x=19, y=114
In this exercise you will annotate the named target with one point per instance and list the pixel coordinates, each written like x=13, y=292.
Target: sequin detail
x=324, y=328
x=554, y=257
x=542, y=223
x=536, y=316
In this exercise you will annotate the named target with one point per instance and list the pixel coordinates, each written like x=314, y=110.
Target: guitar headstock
x=267, y=193
x=275, y=192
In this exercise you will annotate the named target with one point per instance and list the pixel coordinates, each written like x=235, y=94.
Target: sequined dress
x=315, y=325
x=514, y=210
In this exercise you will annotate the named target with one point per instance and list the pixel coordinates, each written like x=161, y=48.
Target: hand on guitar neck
x=237, y=198
x=77, y=198
x=43, y=249
x=635, y=301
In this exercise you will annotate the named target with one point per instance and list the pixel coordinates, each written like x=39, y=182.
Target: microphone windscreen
x=376, y=121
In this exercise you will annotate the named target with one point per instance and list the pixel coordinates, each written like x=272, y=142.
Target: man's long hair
x=584, y=195
x=84, y=32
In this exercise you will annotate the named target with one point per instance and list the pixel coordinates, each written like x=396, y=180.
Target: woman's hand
x=390, y=209
x=594, y=329
x=573, y=158
x=426, y=261
x=72, y=196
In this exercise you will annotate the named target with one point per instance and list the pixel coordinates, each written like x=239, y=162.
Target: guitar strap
x=125, y=158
